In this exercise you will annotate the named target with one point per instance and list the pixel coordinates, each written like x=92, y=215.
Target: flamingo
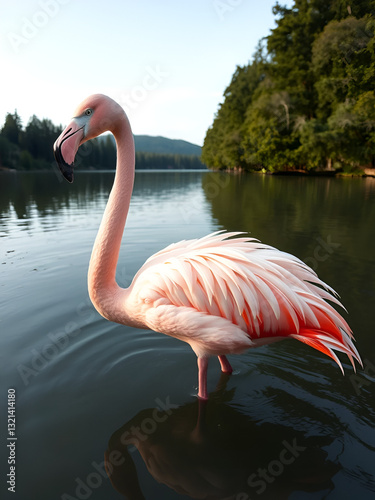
x=222, y=294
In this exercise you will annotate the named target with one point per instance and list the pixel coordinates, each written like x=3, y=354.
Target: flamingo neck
x=103, y=290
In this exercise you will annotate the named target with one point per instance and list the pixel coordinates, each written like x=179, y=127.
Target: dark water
x=286, y=425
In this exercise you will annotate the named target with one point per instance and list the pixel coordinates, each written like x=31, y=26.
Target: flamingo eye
x=88, y=112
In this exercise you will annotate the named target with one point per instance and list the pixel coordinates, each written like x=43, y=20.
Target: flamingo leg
x=225, y=365
x=199, y=431
x=202, y=378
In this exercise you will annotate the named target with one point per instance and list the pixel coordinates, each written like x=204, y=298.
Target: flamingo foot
x=225, y=365
x=202, y=378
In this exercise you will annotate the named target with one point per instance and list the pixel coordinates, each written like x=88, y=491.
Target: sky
x=167, y=62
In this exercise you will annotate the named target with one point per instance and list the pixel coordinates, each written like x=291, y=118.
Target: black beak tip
x=66, y=169
x=68, y=173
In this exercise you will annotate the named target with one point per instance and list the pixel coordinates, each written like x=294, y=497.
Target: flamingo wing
x=233, y=290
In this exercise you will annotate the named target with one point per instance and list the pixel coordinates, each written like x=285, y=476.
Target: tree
x=353, y=123
x=311, y=105
x=222, y=146
x=340, y=59
x=318, y=145
x=269, y=139
x=290, y=49
x=12, y=127
x=26, y=160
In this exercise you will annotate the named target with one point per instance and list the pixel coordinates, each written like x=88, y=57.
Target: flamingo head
x=95, y=115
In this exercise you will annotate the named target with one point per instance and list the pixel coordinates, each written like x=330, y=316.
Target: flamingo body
x=222, y=294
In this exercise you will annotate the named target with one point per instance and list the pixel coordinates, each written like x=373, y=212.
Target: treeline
x=307, y=100
x=27, y=148
x=31, y=148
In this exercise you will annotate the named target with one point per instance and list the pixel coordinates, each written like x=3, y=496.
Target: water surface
x=287, y=424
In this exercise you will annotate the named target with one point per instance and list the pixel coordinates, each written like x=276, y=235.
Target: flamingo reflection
x=211, y=450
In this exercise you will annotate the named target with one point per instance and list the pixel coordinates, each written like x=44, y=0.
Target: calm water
x=286, y=425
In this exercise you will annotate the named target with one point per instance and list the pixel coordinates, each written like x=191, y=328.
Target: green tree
x=268, y=139
x=318, y=145
x=312, y=103
x=340, y=61
x=12, y=128
x=223, y=143
x=9, y=153
x=26, y=160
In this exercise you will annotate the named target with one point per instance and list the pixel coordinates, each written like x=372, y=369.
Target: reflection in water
x=326, y=222
x=275, y=208
x=29, y=197
x=210, y=450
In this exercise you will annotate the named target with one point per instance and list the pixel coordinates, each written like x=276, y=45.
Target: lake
x=285, y=425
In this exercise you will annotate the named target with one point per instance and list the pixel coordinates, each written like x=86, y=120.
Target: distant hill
x=157, y=153
x=162, y=145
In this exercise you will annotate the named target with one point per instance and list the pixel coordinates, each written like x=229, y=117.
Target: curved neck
x=102, y=285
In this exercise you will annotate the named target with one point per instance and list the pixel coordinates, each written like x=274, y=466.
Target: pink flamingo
x=222, y=294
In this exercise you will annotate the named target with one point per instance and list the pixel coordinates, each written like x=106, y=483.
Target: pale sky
x=167, y=62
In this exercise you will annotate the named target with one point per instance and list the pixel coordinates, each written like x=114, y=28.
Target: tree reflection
x=32, y=197
x=326, y=222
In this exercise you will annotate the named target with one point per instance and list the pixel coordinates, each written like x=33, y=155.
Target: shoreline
x=366, y=172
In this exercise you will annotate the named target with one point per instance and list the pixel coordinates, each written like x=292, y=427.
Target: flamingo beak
x=66, y=147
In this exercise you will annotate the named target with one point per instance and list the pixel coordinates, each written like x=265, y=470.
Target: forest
x=31, y=148
x=306, y=101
